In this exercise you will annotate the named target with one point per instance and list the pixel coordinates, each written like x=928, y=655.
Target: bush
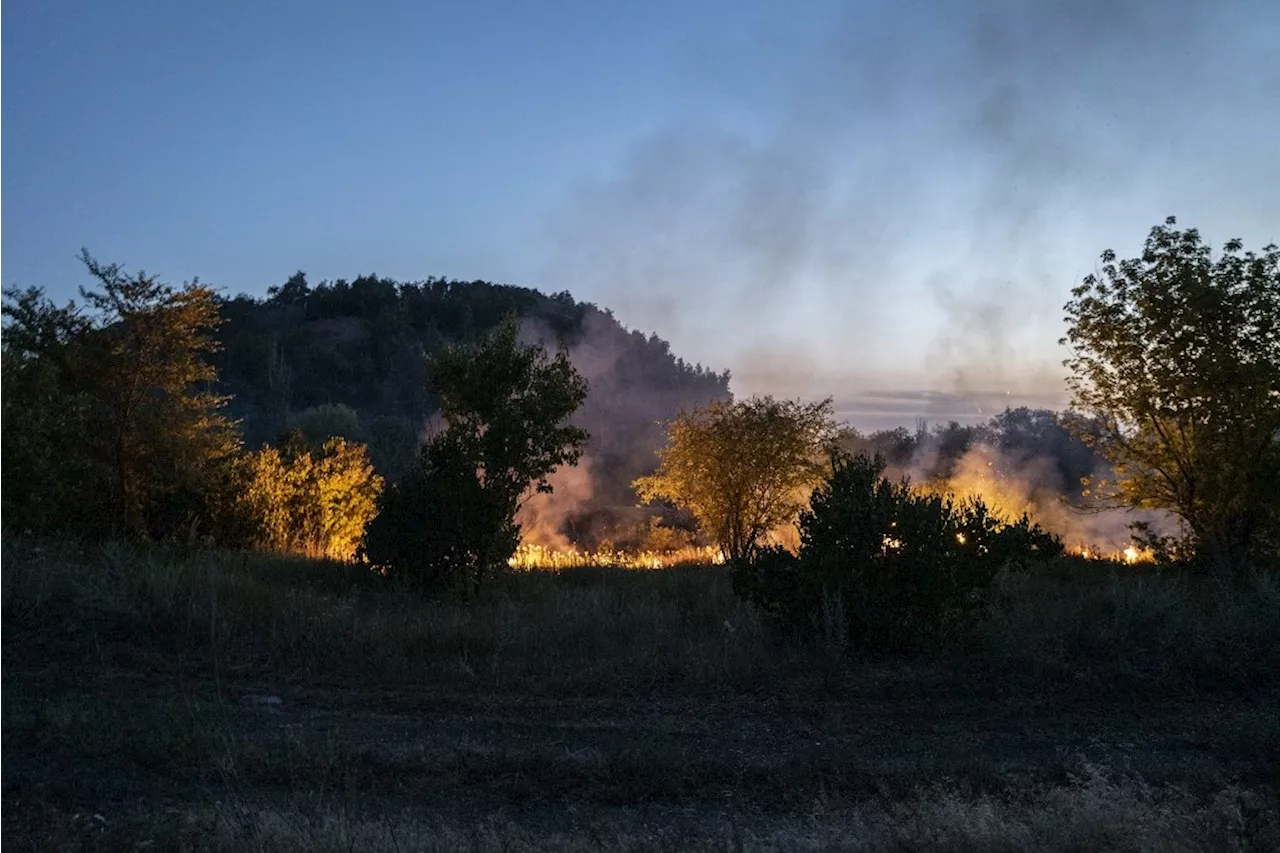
x=303, y=500
x=439, y=527
x=882, y=567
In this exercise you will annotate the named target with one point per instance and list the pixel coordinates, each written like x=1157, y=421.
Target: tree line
x=351, y=358
x=114, y=425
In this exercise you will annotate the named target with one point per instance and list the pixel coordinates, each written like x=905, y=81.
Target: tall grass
x=1109, y=625
x=576, y=630
x=269, y=619
x=588, y=630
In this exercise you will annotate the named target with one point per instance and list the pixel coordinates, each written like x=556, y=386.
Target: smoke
x=633, y=386
x=546, y=519
x=915, y=187
x=1013, y=484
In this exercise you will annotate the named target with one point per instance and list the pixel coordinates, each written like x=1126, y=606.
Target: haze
x=883, y=202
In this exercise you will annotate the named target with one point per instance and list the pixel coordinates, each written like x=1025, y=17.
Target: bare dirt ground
x=107, y=746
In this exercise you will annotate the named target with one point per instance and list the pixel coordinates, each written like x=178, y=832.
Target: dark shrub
x=439, y=528
x=883, y=567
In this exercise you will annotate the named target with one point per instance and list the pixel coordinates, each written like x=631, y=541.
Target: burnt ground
x=122, y=748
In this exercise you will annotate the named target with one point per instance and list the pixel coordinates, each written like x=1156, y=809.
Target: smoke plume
x=633, y=386
x=1012, y=485
x=546, y=519
x=917, y=186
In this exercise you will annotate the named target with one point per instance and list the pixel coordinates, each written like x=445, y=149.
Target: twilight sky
x=873, y=200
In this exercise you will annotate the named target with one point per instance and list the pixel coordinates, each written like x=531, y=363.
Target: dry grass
x=594, y=709
x=591, y=630
x=1095, y=811
x=1139, y=629
x=580, y=629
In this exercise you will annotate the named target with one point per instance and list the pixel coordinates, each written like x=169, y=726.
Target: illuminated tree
x=743, y=469
x=160, y=431
x=312, y=502
x=153, y=445
x=1177, y=358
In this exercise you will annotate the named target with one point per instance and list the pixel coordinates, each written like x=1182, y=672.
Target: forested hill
x=348, y=358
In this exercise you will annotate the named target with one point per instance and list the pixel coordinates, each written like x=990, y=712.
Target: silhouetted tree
x=883, y=566
x=1177, y=358
x=45, y=471
x=505, y=407
x=153, y=438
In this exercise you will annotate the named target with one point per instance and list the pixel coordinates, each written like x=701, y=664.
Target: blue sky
x=829, y=199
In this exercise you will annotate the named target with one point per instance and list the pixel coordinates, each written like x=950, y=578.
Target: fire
x=530, y=557
x=1129, y=555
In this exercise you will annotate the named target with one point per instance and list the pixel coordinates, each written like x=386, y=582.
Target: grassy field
x=157, y=700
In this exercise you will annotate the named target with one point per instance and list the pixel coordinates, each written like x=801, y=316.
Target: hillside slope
x=349, y=358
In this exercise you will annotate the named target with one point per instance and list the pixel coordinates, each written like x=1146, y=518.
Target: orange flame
x=530, y=557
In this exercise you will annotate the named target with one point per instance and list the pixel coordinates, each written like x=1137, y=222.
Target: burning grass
x=531, y=557
x=1011, y=488
x=1130, y=555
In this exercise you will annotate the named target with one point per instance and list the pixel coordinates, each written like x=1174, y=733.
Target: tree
x=745, y=468
x=505, y=406
x=153, y=440
x=1177, y=358
x=160, y=434
x=44, y=466
x=439, y=527
x=329, y=420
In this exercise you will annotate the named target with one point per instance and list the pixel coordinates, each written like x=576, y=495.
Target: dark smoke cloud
x=909, y=206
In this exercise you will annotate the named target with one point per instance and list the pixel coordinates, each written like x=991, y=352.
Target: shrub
x=883, y=567
x=302, y=500
x=439, y=527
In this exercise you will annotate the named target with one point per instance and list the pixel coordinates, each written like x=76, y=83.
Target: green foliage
x=330, y=420
x=743, y=469
x=881, y=566
x=137, y=443
x=40, y=454
x=314, y=503
x=505, y=406
x=1177, y=357
x=44, y=468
